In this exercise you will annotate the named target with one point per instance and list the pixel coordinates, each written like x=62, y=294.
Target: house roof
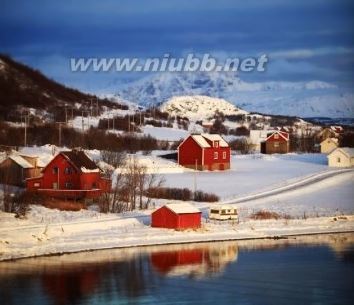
x=283, y=134
x=21, y=161
x=334, y=140
x=348, y=151
x=182, y=208
x=216, y=137
x=80, y=160
x=202, y=140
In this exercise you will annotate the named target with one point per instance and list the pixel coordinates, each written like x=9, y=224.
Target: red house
x=178, y=216
x=70, y=175
x=277, y=142
x=204, y=152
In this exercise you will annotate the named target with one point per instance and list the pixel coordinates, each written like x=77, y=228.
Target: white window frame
x=224, y=155
x=276, y=136
x=37, y=184
x=216, y=155
x=216, y=144
x=276, y=144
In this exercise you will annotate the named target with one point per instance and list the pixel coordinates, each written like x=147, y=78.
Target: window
x=224, y=155
x=36, y=184
x=338, y=160
x=94, y=185
x=68, y=185
x=55, y=170
x=55, y=186
x=216, y=144
x=276, y=144
x=216, y=155
x=276, y=136
x=68, y=170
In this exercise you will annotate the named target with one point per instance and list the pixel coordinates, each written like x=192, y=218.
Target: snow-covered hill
x=199, y=107
x=305, y=99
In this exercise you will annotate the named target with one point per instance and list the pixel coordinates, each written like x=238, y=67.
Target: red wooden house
x=277, y=142
x=70, y=175
x=204, y=152
x=177, y=216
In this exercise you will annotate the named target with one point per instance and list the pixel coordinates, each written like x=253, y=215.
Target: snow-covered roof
x=334, y=140
x=182, y=208
x=216, y=137
x=283, y=134
x=21, y=161
x=349, y=151
x=200, y=140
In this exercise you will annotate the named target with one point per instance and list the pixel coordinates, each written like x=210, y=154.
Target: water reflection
x=196, y=262
x=153, y=274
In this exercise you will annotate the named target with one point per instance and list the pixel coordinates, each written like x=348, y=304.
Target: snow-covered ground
x=48, y=232
x=301, y=186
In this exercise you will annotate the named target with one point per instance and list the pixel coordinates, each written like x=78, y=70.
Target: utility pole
x=26, y=119
x=60, y=126
x=66, y=115
x=97, y=106
x=128, y=122
x=113, y=121
x=91, y=108
x=82, y=121
x=195, y=176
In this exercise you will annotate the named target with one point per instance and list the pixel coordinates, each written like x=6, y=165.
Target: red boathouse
x=204, y=152
x=70, y=175
x=178, y=216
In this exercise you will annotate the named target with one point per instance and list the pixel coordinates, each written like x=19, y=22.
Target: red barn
x=204, y=152
x=276, y=142
x=177, y=216
x=71, y=175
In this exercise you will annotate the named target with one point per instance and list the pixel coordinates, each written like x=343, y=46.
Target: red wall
x=165, y=218
x=79, y=181
x=167, y=260
x=209, y=155
x=188, y=152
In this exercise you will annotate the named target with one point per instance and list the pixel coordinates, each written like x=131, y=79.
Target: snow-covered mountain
x=305, y=99
x=199, y=107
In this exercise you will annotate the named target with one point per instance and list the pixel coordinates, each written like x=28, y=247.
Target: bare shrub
x=263, y=215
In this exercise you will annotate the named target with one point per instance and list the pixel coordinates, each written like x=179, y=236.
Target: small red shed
x=177, y=216
x=277, y=142
x=204, y=152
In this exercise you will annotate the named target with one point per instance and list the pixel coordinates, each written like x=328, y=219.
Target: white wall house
x=341, y=157
x=328, y=145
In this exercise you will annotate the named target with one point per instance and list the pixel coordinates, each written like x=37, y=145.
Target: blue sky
x=304, y=39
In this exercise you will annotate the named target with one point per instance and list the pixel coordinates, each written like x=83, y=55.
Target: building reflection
x=70, y=287
x=198, y=262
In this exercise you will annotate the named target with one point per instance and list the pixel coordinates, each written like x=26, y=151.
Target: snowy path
x=290, y=186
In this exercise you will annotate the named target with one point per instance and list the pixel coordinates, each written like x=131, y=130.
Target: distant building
x=276, y=142
x=204, y=152
x=257, y=137
x=70, y=175
x=328, y=145
x=341, y=157
x=178, y=216
x=16, y=168
x=330, y=132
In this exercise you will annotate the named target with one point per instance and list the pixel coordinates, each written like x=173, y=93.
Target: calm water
x=316, y=270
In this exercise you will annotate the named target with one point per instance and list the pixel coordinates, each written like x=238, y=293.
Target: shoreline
x=250, y=230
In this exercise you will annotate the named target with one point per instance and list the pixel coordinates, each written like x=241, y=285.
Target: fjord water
x=306, y=270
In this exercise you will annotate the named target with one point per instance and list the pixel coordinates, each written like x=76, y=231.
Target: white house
x=341, y=157
x=328, y=145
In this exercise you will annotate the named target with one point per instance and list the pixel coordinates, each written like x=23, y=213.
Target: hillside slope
x=23, y=87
